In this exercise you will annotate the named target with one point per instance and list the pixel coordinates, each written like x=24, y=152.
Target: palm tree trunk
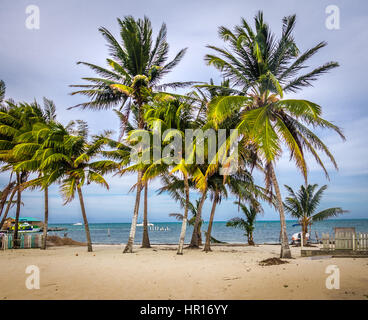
x=185, y=217
x=207, y=246
x=46, y=222
x=86, y=227
x=8, y=207
x=4, y=196
x=285, y=249
x=129, y=246
x=145, y=240
x=17, y=213
x=196, y=240
x=250, y=239
x=304, y=233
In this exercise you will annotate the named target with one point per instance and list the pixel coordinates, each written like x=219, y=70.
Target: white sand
x=159, y=273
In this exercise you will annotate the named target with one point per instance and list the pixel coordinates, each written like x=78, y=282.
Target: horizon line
x=206, y=221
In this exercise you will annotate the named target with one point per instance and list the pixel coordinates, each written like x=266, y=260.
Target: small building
x=32, y=221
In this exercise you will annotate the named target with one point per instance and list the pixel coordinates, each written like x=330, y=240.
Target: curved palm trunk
x=17, y=213
x=129, y=246
x=8, y=207
x=196, y=240
x=207, y=246
x=185, y=216
x=46, y=221
x=145, y=241
x=4, y=196
x=285, y=249
x=86, y=227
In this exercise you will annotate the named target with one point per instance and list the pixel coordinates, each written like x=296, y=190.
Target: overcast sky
x=37, y=63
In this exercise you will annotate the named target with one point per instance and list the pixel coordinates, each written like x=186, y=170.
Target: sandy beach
x=228, y=272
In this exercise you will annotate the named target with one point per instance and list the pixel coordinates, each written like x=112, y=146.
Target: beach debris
x=272, y=262
x=76, y=254
x=58, y=241
x=285, y=286
x=230, y=278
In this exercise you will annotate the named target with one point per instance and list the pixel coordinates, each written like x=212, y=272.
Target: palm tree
x=175, y=187
x=174, y=115
x=120, y=153
x=217, y=190
x=16, y=121
x=194, y=210
x=202, y=95
x=135, y=63
x=31, y=143
x=303, y=205
x=66, y=159
x=248, y=224
x=265, y=68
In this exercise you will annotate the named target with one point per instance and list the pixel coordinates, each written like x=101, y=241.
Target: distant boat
x=78, y=224
x=148, y=224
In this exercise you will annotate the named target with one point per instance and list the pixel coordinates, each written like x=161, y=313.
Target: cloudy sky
x=37, y=63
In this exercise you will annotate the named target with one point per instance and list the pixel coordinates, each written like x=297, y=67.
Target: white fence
x=345, y=241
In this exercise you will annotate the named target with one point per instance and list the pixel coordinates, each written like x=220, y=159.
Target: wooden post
x=301, y=241
x=353, y=241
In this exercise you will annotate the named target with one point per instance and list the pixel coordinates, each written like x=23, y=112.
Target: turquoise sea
x=168, y=232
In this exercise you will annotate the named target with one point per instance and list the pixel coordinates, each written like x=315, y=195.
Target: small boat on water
x=78, y=224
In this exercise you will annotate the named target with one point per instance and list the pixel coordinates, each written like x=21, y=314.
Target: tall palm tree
x=16, y=121
x=202, y=95
x=67, y=159
x=31, y=143
x=174, y=115
x=303, y=205
x=248, y=224
x=265, y=68
x=120, y=152
x=137, y=63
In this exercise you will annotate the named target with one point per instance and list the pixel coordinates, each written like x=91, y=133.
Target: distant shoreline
x=339, y=219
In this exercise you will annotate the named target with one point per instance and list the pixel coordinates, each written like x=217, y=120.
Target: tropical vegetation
x=303, y=205
x=258, y=71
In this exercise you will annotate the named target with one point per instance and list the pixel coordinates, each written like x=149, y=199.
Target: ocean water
x=265, y=231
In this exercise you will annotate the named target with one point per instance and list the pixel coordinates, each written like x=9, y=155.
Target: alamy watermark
x=333, y=280
x=33, y=17
x=333, y=19
x=33, y=280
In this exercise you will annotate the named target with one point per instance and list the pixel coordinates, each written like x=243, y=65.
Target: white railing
x=345, y=241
